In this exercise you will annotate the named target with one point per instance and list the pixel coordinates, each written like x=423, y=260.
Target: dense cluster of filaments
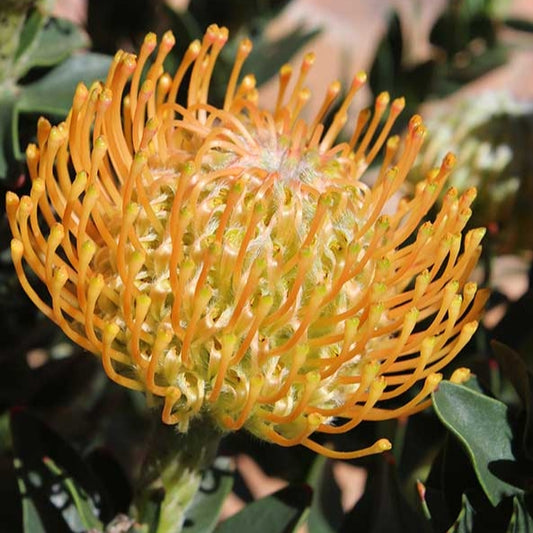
x=229, y=261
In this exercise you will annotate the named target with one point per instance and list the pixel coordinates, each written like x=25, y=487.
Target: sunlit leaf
x=53, y=92
x=12, y=18
x=50, y=95
x=33, y=25
x=55, y=41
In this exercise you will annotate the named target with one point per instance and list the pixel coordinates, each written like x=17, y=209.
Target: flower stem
x=172, y=472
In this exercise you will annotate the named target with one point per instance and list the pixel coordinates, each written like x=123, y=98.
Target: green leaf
x=50, y=95
x=82, y=503
x=473, y=517
x=519, y=24
x=386, y=70
x=217, y=482
x=278, y=513
x=236, y=15
x=326, y=513
x=32, y=519
x=450, y=476
x=40, y=42
x=183, y=23
x=111, y=475
x=32, y=27
x=12, y=16
x=268, y=56
x=55, y=490
x=150, y=512
x=514, y=368
x=521, y=521
x=53, y=92
x=465, y=520
x=474, y=385
x=7, y=106
x=480, y=424
x=383, y=506
x=56, y=41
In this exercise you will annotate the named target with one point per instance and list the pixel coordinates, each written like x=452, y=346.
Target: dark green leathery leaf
x=481, y=425
x=278, y=513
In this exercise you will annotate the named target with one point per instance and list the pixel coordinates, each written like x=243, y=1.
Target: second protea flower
x=491, y=135
x=230, y=261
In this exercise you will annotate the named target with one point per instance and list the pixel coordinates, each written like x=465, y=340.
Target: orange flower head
x=230, y=262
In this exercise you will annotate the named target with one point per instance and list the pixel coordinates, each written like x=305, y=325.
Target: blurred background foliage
x=71, y=442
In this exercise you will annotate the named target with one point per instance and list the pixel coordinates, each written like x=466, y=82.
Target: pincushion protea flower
x=491, y=137
x=230, y=261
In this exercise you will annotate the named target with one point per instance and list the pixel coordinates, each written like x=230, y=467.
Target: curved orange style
x=230, y=262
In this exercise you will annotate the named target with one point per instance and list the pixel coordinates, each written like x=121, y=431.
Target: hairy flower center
x=265, y=238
